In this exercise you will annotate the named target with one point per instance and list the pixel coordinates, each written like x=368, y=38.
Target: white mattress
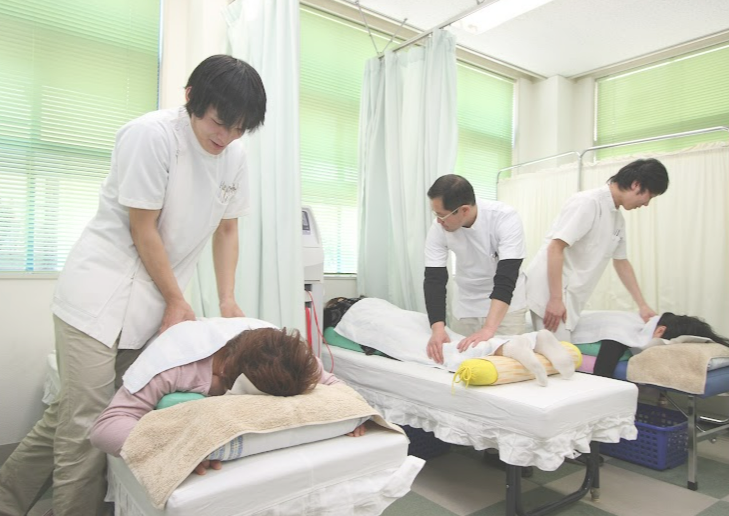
x=341, y=476
x=529, y=424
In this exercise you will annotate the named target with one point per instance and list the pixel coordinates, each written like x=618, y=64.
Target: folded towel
x=167, y=445
x=678, y=365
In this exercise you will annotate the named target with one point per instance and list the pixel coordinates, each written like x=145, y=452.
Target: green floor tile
x=720, y=508
x=537, y=498
x=712, y=476
x=412, y=504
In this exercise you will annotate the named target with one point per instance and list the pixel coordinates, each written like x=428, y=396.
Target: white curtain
x=270, y=276
x=677, y=245
x=408, y=138
x=538, y=198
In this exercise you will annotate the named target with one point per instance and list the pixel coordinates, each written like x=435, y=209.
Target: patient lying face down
x=257, y=361
x=404, y=334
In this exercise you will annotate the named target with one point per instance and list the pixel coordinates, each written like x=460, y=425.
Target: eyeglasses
x=444, y=217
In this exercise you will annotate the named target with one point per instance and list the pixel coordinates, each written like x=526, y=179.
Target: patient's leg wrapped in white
x=548, y=345
x=521, y=348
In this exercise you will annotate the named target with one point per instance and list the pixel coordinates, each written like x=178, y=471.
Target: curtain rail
x=444, y=24
x=642, y=140
x=581, y=154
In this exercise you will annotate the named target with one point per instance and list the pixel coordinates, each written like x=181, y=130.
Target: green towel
x=593, y=348
x=333, y=338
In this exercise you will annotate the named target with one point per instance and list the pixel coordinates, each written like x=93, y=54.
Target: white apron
x=185, y=228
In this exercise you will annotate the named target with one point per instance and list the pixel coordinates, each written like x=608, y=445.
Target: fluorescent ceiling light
x=497, y=13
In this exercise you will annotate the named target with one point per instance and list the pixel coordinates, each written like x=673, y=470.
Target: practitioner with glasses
x=487, y=238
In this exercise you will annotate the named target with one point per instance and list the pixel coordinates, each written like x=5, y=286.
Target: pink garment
x=119, y=418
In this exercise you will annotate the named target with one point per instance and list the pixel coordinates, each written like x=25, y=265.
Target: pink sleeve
x=327, y=378
x=121, y=416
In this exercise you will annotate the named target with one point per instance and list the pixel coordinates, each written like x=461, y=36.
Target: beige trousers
x=514, y=323
x=57, y=449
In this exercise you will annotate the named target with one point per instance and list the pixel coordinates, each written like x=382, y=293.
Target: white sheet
x=341, y=476
x=529, y=424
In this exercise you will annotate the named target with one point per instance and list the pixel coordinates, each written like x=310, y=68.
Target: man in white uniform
x=177, y=178
x=590, y=231
x=487, y=238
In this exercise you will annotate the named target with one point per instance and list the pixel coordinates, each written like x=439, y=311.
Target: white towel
x=404, y=334
x=185, y=343
x=625, y=327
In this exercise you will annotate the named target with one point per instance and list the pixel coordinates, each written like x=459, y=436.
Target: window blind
x=72, y=73
x=333, y=56
x=485, y=127
x=680, y=94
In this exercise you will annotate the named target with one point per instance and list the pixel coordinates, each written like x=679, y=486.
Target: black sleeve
x=434, y=286
x=507, y=272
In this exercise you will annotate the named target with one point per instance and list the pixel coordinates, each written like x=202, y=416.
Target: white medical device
x=313, y=257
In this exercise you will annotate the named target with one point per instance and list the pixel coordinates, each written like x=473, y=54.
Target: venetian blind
x=680, y=94
x=485, y=127
x=71, y=74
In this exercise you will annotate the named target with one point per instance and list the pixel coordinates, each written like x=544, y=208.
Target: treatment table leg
x=693, y=421
x=591, y=483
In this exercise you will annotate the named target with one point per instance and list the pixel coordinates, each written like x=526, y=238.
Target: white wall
x=554, y=116
x=27, y=338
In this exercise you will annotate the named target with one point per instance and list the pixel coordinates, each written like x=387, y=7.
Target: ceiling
x=573, y=37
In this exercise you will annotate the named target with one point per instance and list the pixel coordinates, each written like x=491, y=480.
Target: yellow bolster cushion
x=496, y=370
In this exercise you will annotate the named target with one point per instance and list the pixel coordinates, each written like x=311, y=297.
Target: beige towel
x=679, y=366
x=167, y=445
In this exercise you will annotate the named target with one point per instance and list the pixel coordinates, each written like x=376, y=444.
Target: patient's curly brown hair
x=277, y=363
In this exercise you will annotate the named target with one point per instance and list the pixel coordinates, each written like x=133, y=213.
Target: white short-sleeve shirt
x=594, y=230
x=157, y=164
x=496, y=234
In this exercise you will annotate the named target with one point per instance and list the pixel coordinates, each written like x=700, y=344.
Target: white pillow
x=251, y=444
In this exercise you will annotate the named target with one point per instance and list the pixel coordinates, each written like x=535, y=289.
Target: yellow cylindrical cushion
x=496, y=370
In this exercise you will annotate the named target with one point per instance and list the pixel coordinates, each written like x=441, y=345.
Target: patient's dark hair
x=677, y=325
x=453, y=190
x=650, y=174
x=275, y=362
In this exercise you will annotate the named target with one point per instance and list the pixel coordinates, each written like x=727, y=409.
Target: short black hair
x=650, y=174
x=453, y=190
x=232, y=87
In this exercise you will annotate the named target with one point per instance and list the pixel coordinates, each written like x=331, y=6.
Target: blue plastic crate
x=662, y=441
x=424, y=444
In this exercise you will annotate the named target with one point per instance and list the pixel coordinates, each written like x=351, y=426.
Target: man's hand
x=435, y=345
x=205, y=465
x=475, y=338
x=176, y=312
x=230, y=309
x=646, y=312
x=554, y=314
x=357, y=432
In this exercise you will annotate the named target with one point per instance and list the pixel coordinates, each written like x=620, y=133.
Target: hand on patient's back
x=205, y=465
x=231, y=309
x=357, y=432
x=554, y=314
x=435, y=345
x=646, y=312
x=475, y=339
x=176, y=313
